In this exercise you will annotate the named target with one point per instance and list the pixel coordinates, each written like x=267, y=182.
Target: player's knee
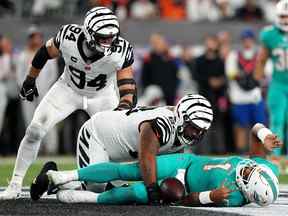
x=35, y=132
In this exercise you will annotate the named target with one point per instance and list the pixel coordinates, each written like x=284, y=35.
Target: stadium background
x=178, y=29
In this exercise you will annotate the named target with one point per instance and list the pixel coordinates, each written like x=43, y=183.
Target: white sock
x=27, y=153
x=73, y=185
x=71, y=175
x=75, y=196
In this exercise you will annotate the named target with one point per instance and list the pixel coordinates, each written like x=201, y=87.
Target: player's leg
x=167, y=166
x=136, y=193
x=59, y=102
x=277, y=105
x=3, y=104
x=90, y=151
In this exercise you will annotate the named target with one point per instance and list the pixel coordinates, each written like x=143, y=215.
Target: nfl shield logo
x=87, y=67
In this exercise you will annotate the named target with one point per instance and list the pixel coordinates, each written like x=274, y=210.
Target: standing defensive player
x=275, y=46
x=232, y=181
x=142, y=132
x=95, y=55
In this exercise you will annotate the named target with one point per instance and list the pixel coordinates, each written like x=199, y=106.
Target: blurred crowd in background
x=217, y=69
x=176, y=10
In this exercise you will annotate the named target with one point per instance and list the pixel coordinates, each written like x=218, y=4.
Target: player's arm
x=149, y=146
x=262, y=58
x=214, y=197
x=263, y=140
x=127, y=88
x=46, y=52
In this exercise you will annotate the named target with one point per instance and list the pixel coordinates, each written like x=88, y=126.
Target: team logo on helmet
x=257, y=182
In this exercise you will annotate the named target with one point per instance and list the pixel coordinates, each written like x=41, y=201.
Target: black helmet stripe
x=94, y=10
x=99, y=15
x=199, y=104
x=104, y=26
x=198, y=111
x=102, y=20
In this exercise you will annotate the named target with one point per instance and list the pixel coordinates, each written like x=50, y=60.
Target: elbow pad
x=41, y=57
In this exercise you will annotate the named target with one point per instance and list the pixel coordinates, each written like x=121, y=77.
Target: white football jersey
x=87, y=76
x=118, y=131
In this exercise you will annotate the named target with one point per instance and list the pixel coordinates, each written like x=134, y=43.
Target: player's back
x=120, y=129
x=276, y=42
x=208, y=173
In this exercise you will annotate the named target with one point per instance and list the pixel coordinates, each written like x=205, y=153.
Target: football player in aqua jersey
x=274, y=41
x=231, y=181
x=95, y=57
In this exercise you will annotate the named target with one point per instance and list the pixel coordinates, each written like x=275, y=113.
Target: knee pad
x=35, y=132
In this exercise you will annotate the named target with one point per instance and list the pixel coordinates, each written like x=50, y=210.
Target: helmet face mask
x=190, y=134
x=101, y=29
x=194, y=116
x=257, y=182
x=100, y=42
x=282, y=15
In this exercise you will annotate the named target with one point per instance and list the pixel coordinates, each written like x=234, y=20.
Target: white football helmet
x=195, y=110
x=260, y=185
x=282, y=15
x=100, y=24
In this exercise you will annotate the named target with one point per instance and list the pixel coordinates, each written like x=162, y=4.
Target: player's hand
x=271, y=141
x=29, y=89
x=221, y=194
x=154, y=194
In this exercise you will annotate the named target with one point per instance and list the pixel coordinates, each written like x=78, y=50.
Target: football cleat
x=13, y=191
x=76, y=196
x=59, y=177
x=40, y=184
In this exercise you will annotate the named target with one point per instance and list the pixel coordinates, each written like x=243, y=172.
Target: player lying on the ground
x=230, y=181
x=119, y=136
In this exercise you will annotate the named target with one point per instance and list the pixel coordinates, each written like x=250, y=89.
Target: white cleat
x=76, y=196
x=56, y=177
x=62, y=177
x=13, y=191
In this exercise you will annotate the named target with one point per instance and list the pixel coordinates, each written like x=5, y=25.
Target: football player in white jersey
x=95, y=56
x=142, y=132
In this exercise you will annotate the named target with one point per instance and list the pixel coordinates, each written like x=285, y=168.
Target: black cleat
x=40, y=184
x=52, y=188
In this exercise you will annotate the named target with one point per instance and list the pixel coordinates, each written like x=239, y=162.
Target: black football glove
x=154, y=194
x=29, y=89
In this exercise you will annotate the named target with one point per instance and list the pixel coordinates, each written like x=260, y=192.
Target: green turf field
x=7, y=165
x=64, y=163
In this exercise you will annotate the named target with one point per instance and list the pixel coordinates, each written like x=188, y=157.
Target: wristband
x=262, y=133
x=204, y=197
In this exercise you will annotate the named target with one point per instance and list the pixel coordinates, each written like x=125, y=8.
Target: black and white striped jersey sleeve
x=59, y=37
x=129, y=57
x=163, y=129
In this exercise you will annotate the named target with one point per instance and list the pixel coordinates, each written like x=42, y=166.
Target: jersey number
x=99, y=82
x=282, y=59
x=137, y=109
x=225, y=166
x=73, y=30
